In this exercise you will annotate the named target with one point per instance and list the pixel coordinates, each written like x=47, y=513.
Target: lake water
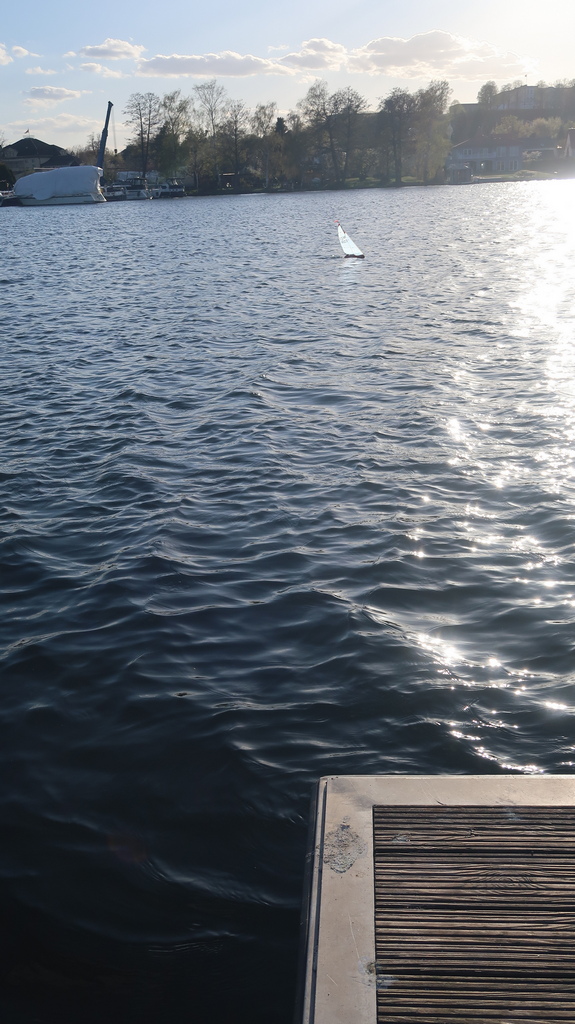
x=267, y=515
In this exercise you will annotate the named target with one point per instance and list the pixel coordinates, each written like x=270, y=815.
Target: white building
x=486, y=155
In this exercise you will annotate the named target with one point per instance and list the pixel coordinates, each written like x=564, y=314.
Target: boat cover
x=63, y=181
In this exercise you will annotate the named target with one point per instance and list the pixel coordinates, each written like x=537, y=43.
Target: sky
x=61, y=63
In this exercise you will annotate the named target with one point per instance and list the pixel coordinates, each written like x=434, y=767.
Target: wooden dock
x=441, y=900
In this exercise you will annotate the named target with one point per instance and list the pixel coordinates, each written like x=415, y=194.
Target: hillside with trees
x=331, y=139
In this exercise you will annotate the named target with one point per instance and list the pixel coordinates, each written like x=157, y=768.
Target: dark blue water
x=266, y=515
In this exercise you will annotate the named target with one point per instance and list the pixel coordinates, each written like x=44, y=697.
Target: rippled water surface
x=266, y=515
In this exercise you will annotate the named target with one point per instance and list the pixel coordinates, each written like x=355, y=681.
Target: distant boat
x=113, y=193
x=171, y=189
x=136, y=188
x=59, y=187
x=7, y=198
x=349, y=247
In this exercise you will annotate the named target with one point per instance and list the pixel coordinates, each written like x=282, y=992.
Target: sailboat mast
x=104, y=138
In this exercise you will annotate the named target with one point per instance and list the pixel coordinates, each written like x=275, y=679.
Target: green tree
x=398, y=122
x=431, y=125
x=487, y=95
x=512, y=125
x=7, y=178
x=546, y=127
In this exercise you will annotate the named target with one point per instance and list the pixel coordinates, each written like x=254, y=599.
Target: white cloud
x=100, y=69
x=51, y=126
x=40, y=71
x=5, y=57
x=278, y=49
x=433, y=54
x=19, y=51
x=427, y=55
x=318, y=55
x=111, y=49
x=48, y=95
x=226, y=64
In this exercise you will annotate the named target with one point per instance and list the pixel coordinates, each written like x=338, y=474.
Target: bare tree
x=144, y=116
x=347, y=104
x=334, y=119
x=264, y=122
x=320, y=111
x=212, y=99
x=176, y=123
x=234, y=131
x=295, y=146
x=198, y=145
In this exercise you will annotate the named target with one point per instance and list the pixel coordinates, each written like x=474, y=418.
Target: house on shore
x=29, y=154
x=501, y=154
x=505, y=154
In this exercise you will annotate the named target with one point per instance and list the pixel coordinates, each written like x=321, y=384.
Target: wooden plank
x=474, y=914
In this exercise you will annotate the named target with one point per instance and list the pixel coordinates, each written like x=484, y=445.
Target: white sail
x=349, y=247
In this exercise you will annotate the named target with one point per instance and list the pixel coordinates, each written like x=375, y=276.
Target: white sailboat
x=351, y=250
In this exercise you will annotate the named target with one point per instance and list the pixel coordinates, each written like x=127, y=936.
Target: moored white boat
x=114, y=193
x=60, y=187
x=136, y=188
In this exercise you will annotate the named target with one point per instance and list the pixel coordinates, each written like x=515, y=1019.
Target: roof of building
x=491, y=141
x=47, y=155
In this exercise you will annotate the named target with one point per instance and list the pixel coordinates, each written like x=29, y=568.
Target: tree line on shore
x=330, y=139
